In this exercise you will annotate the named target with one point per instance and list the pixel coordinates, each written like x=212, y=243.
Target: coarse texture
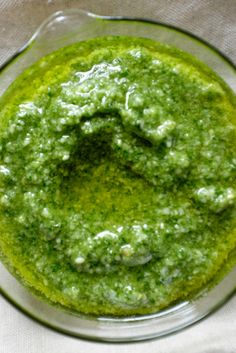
x=117, y=176
x=213, y=20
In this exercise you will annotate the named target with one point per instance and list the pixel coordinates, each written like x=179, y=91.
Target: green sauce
x=117, y=176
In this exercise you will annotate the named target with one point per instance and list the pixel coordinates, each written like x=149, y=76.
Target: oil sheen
x=117, y=176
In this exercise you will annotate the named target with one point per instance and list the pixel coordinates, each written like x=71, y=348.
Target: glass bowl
x=64, y=28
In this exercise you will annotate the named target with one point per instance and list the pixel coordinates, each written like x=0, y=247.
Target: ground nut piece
x=117, y=176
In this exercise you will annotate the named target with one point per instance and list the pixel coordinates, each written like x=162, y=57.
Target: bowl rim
x=9, y=61
x=90, y=338
x=147, y=20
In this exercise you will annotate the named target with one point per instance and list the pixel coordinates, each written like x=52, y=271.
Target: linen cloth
x=214, y=20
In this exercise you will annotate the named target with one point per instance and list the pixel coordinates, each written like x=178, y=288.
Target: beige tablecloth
x=215, y=20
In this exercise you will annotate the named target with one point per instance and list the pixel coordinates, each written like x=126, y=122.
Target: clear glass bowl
x=61, y=29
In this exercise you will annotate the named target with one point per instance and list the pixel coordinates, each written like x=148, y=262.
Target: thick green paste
x=117, y=176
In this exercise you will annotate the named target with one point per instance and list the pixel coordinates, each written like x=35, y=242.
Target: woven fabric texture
x=213, y=20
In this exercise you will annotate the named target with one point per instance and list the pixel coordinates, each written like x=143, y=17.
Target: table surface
x=213, y=20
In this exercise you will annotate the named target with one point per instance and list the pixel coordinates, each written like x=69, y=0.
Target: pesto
x=117, y=176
